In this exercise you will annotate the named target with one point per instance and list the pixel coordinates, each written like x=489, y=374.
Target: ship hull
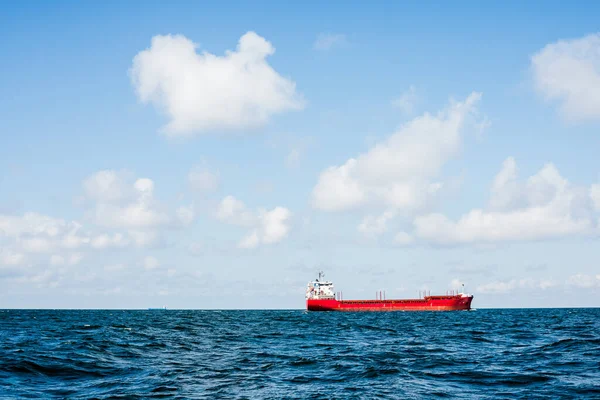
x=430, y=303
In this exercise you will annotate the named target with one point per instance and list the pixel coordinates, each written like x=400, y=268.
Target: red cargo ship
x=320, y=296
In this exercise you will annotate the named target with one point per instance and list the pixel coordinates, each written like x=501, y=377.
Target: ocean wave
x=295, y=354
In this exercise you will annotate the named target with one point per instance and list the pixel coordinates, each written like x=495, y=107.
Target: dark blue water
x=529, y=353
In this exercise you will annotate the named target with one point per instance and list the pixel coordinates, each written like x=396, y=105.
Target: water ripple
x=552, y=353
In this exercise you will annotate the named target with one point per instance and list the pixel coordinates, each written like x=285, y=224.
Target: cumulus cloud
x=273, y=225
x=138, y=210
x=267, y=226
x=201, y=92
x=31, y=224
x=568, y=71
x=399, y=172
x=326, y=41
x=37, y=233
x=544, y=206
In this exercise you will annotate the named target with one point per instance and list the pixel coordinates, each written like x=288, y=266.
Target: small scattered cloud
x=407, y=101
x=150, y=263
x=107, y=186
x=114, y=267
x=11, y=258
x=267, y=226
x=56, y=259
x=595, y=195
x=376, y=225
x=293, y=157
x=294, y=147
x=105, y=241
x=203, y=180
x=468, y=269
x=326, y=41
x=234, y=211
x=185, y=214
x=584, y=281
x=403, y=239
x=498, y=287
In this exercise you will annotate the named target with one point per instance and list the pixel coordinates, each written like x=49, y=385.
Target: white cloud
x=293, y=157
x=234, y=211
x=38, y=234
x=337, y=190
x=406, y=101
x=200, y=92
x=498, y=287
x=398, y=173
x=203, y=180
x=37, y=245
x=545, y=206
x=151, y=262
x=56, y=259
x=31, y=224
x=274, y=225
x=75, y=258
x=250, y=241
x=11, y=258
x=107, y=186
x=145, y=238
x=376, y=225
x=114, y=267
x=595, y=195
x=73, y=239
x=403, y=239
x=268, y=227
x=505, y=189
x=294, y=146
x=104, y=241
x=139, y=210
x=568, y=71
x=185, y=214
x=325, y=41
x=584, y=281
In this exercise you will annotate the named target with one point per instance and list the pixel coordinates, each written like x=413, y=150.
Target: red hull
x=429, y=303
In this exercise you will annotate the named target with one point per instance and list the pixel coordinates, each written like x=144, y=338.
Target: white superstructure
x=320, y=289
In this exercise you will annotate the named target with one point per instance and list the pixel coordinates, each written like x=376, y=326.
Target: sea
x=295, y=354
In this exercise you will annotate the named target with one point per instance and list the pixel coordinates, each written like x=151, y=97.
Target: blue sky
x=201, y=155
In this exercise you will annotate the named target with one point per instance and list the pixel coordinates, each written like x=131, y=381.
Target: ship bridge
x=320, y=289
